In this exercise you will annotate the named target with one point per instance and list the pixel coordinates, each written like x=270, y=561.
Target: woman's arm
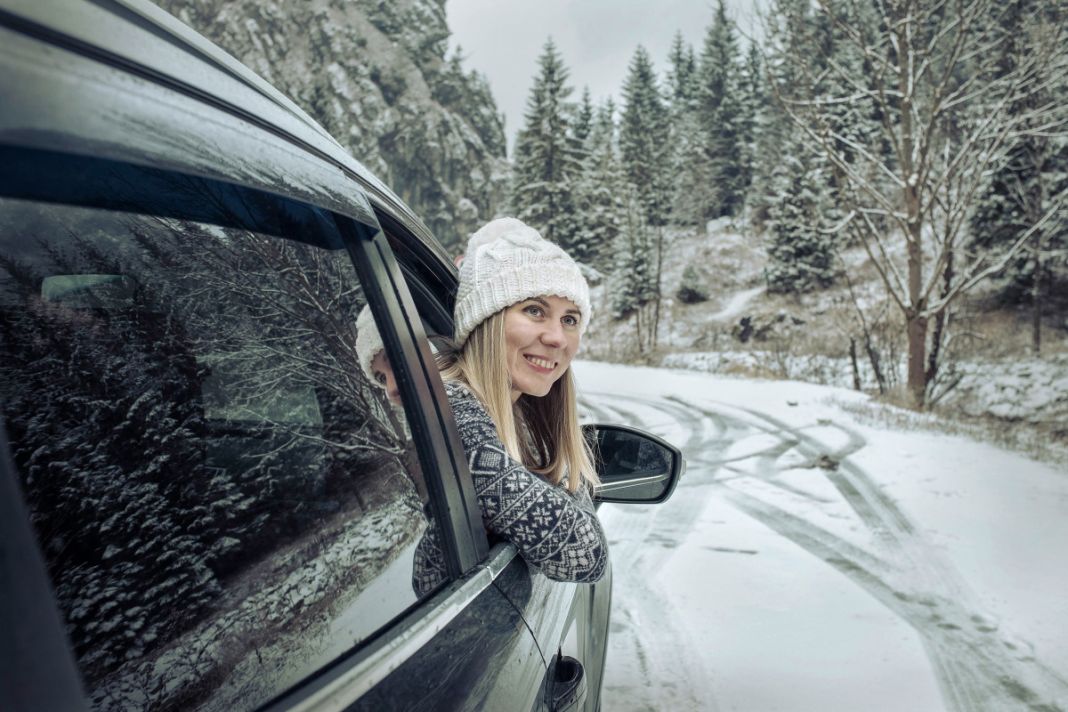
x=555, y=531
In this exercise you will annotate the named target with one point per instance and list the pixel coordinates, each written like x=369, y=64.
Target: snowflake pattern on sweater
x=555, y=531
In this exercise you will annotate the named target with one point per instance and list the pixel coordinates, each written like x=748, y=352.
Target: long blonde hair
x=556, y=447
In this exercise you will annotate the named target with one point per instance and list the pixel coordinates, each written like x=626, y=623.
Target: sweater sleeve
x=555, y=531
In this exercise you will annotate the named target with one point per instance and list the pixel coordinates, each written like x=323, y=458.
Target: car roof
x=63, y=97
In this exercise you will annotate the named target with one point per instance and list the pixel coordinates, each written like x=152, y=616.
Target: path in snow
x=916, y=628
x=736, y=305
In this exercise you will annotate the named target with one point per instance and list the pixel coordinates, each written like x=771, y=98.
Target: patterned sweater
x=555, y=531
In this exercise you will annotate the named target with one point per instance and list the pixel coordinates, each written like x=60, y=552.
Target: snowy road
x=810, y=562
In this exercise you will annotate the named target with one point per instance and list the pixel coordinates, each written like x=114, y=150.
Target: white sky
x=597, y=38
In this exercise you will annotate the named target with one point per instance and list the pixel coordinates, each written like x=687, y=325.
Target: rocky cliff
x=375, y=75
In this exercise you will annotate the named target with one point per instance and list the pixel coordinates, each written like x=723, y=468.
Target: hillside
x=988, y=376
x=376, y=77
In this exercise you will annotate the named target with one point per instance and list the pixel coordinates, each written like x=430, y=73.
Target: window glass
x=225, y=501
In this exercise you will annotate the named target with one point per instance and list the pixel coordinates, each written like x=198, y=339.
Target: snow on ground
x=1029, y=389
x=808, y=561
x=736, y=304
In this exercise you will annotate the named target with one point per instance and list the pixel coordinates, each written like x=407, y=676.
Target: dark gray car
x=206, y=505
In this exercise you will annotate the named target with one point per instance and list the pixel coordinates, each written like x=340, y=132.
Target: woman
x=372, y=354
x=521, y=309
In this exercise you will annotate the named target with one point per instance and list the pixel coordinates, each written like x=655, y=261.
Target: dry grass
x=1037, y=442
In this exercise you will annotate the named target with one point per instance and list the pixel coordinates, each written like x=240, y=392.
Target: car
x=206, y=504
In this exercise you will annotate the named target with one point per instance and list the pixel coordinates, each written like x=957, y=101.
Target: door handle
x=565, y=685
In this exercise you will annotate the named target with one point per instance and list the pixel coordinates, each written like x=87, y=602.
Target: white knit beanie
x=506, y=262
x=368, y=342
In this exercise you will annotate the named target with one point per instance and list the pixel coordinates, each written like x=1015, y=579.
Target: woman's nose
x=392, y=390
x=553, y=335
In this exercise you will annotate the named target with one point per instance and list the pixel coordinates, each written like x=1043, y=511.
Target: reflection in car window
x=224, y=500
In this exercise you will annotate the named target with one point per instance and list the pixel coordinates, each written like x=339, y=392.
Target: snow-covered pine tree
x=838, y=68
x=691, y=185
x=681, y=80
x=643, y=139
x=645, y=149
x=634, y=278
x=753, y=101
x=599, y=190
x=584, y=117
x=1018, y=191
x=786, y=35
x=721, y=115
x=800, y=249
x=548, y=155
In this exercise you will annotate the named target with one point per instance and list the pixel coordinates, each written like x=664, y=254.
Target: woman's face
x=541, y=337
x=383, y=374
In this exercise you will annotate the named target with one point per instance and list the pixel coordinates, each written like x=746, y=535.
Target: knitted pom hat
x=368, y=342
x=506, y=262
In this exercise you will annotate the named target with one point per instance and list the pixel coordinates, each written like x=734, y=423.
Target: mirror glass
x=633, y=466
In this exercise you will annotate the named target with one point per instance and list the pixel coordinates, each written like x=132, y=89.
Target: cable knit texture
x=506, y=262
x=557, y=532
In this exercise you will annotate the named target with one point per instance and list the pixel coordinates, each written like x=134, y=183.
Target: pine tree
x=645, y=148
x=1019, y=191
x=682, y=75
x=787, y=36
x=691, y=186
x=721, y=114
x=548, y=155
x=753, y=100
x=635, y=281
x=599, y=191
x=800, y=248
x=643, y=139
x=850, y=125
x=584, y=117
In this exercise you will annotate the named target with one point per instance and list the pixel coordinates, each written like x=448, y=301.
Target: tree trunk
x=853, y=361
x=1036, y=300
x=916, y=326
x=939, y=334
x=638, y=329
x=655, y=336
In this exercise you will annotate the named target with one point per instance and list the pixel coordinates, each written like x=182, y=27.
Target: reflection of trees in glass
x=186, y=408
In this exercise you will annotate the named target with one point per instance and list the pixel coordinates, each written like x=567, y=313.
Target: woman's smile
x=541, y=365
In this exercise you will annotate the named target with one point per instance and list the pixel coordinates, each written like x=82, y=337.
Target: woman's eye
x=533, y=310
x=571, y=320
x=380, y=377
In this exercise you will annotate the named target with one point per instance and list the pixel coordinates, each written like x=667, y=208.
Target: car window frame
x=65, y=179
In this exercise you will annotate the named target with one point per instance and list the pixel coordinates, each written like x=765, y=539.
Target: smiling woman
x=521, y=309
x=541, y=336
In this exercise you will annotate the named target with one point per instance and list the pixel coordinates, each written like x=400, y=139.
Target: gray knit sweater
x=555, y=531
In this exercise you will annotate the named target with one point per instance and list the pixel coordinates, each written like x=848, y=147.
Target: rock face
x=374, y=74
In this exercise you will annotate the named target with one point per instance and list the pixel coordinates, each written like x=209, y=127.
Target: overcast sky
x=503, y=38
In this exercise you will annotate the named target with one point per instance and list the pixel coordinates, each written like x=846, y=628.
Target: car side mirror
x=634, y=466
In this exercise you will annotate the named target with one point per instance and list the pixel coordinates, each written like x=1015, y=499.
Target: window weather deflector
x=424, y=396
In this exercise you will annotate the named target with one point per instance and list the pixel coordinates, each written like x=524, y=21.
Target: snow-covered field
x=808, y=561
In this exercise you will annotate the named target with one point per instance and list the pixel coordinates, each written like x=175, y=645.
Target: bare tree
x=945, y=118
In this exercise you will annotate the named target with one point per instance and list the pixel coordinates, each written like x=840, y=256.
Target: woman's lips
x=541, y=365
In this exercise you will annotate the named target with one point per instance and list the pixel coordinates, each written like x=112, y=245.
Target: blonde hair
x=556, y=447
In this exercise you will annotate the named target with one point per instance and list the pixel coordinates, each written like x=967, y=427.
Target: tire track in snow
x=648, y=640
x=978, y=665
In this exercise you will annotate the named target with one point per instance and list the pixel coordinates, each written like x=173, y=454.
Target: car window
x=225, y=502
